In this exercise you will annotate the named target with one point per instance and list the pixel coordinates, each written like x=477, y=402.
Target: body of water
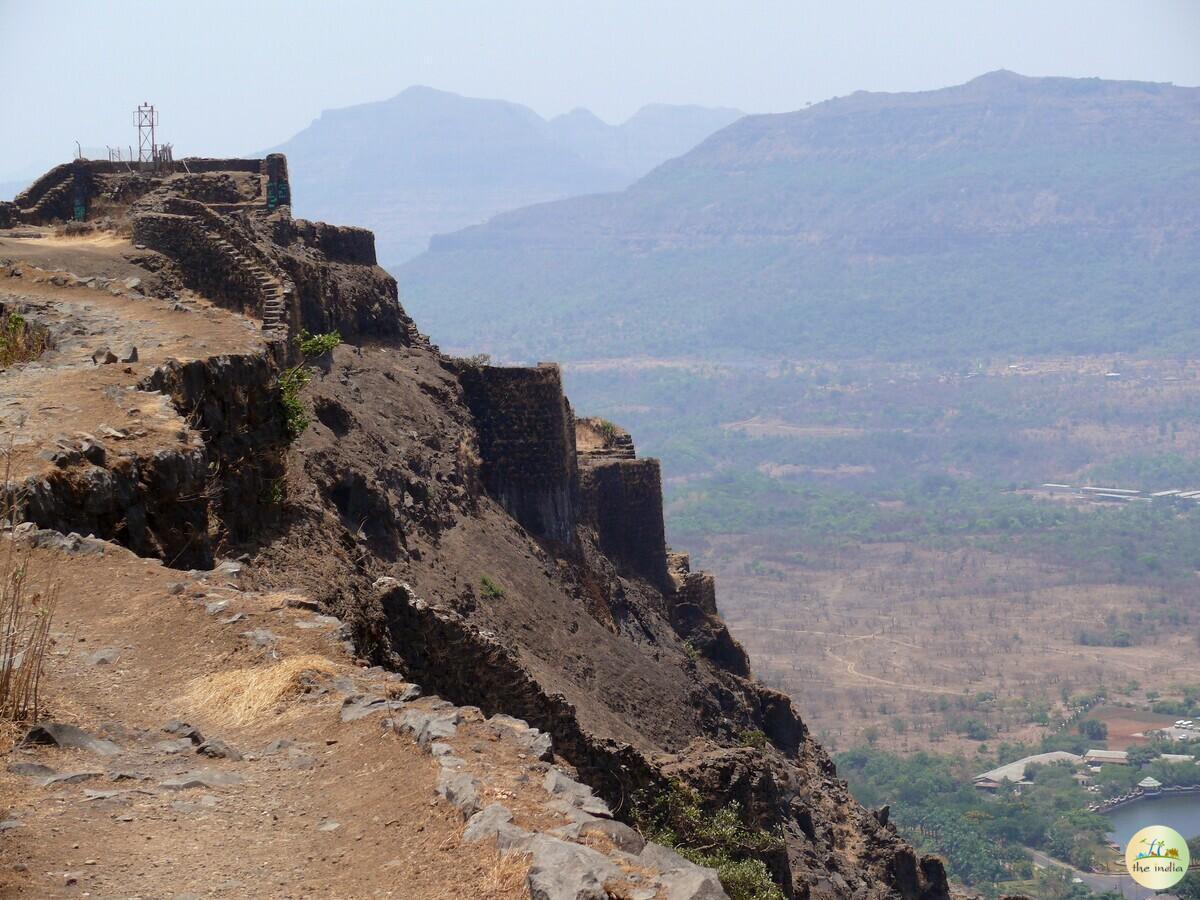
x=1180, y=812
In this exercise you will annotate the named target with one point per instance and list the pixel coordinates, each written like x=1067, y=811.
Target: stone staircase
x=29, y=198
x=229, y=268
x=274, y=295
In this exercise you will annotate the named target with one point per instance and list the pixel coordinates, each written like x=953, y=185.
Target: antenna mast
x=146, y=118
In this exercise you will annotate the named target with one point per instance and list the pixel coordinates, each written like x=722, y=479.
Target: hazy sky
x=234, y=77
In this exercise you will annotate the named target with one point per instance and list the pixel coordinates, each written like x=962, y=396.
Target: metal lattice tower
x=146, y=118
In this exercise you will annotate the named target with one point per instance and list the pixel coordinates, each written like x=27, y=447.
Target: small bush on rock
x=490, y=588
x=316, y=344
x=752, y=737
x=607, y=430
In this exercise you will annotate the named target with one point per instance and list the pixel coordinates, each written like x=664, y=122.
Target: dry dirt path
x=67, y=392
x=315, y=807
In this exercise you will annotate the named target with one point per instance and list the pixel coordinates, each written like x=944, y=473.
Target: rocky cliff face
x=475, y=534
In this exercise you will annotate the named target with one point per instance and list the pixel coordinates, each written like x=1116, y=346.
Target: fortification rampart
x=621, y=500
x=692, y=608
x=597, y=438
x=339, y=243
x=209, y=266
x=527, y=444
x=67, y=191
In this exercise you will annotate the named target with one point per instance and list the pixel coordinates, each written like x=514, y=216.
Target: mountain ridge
x=883, y=213
x=427, y=160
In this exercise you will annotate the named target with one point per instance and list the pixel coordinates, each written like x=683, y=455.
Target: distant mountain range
x=1008, y=214
x=428, y=161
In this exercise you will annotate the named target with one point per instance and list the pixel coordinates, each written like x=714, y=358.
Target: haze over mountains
x=1006, y=214
x=429, y=161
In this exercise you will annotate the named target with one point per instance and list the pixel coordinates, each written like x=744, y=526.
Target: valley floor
x=908, y=644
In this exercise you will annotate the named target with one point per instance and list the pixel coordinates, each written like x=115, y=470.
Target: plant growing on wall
x=296, y=378
x=607, y=430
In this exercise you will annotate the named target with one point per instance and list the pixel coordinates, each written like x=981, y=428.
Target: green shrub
x=19, y=341
x=291, y=383
x=753, y=738
x=607, y=430
x=316, y=344
x=490, y=588
x=294, y=379
x=718, y=839
x=274, y=491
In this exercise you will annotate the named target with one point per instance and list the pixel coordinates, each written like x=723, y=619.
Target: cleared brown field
x=1125, y=725
x=907, y=644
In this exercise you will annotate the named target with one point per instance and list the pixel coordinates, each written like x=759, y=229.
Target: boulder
x=494, y=821
x=105, y=657
x=426, y=727
x=575, y=794
x=561, y=870
x=60, y=734
x=203, y=778
x=460, y=789
x=218, y=749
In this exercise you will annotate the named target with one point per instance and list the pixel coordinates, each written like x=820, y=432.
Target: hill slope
x=427, y=161
x=1005, y=214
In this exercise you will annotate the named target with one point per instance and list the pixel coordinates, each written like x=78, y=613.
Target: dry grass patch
x=26, y=611
x=243, y=696
x=27, y=600
x=507, y=875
